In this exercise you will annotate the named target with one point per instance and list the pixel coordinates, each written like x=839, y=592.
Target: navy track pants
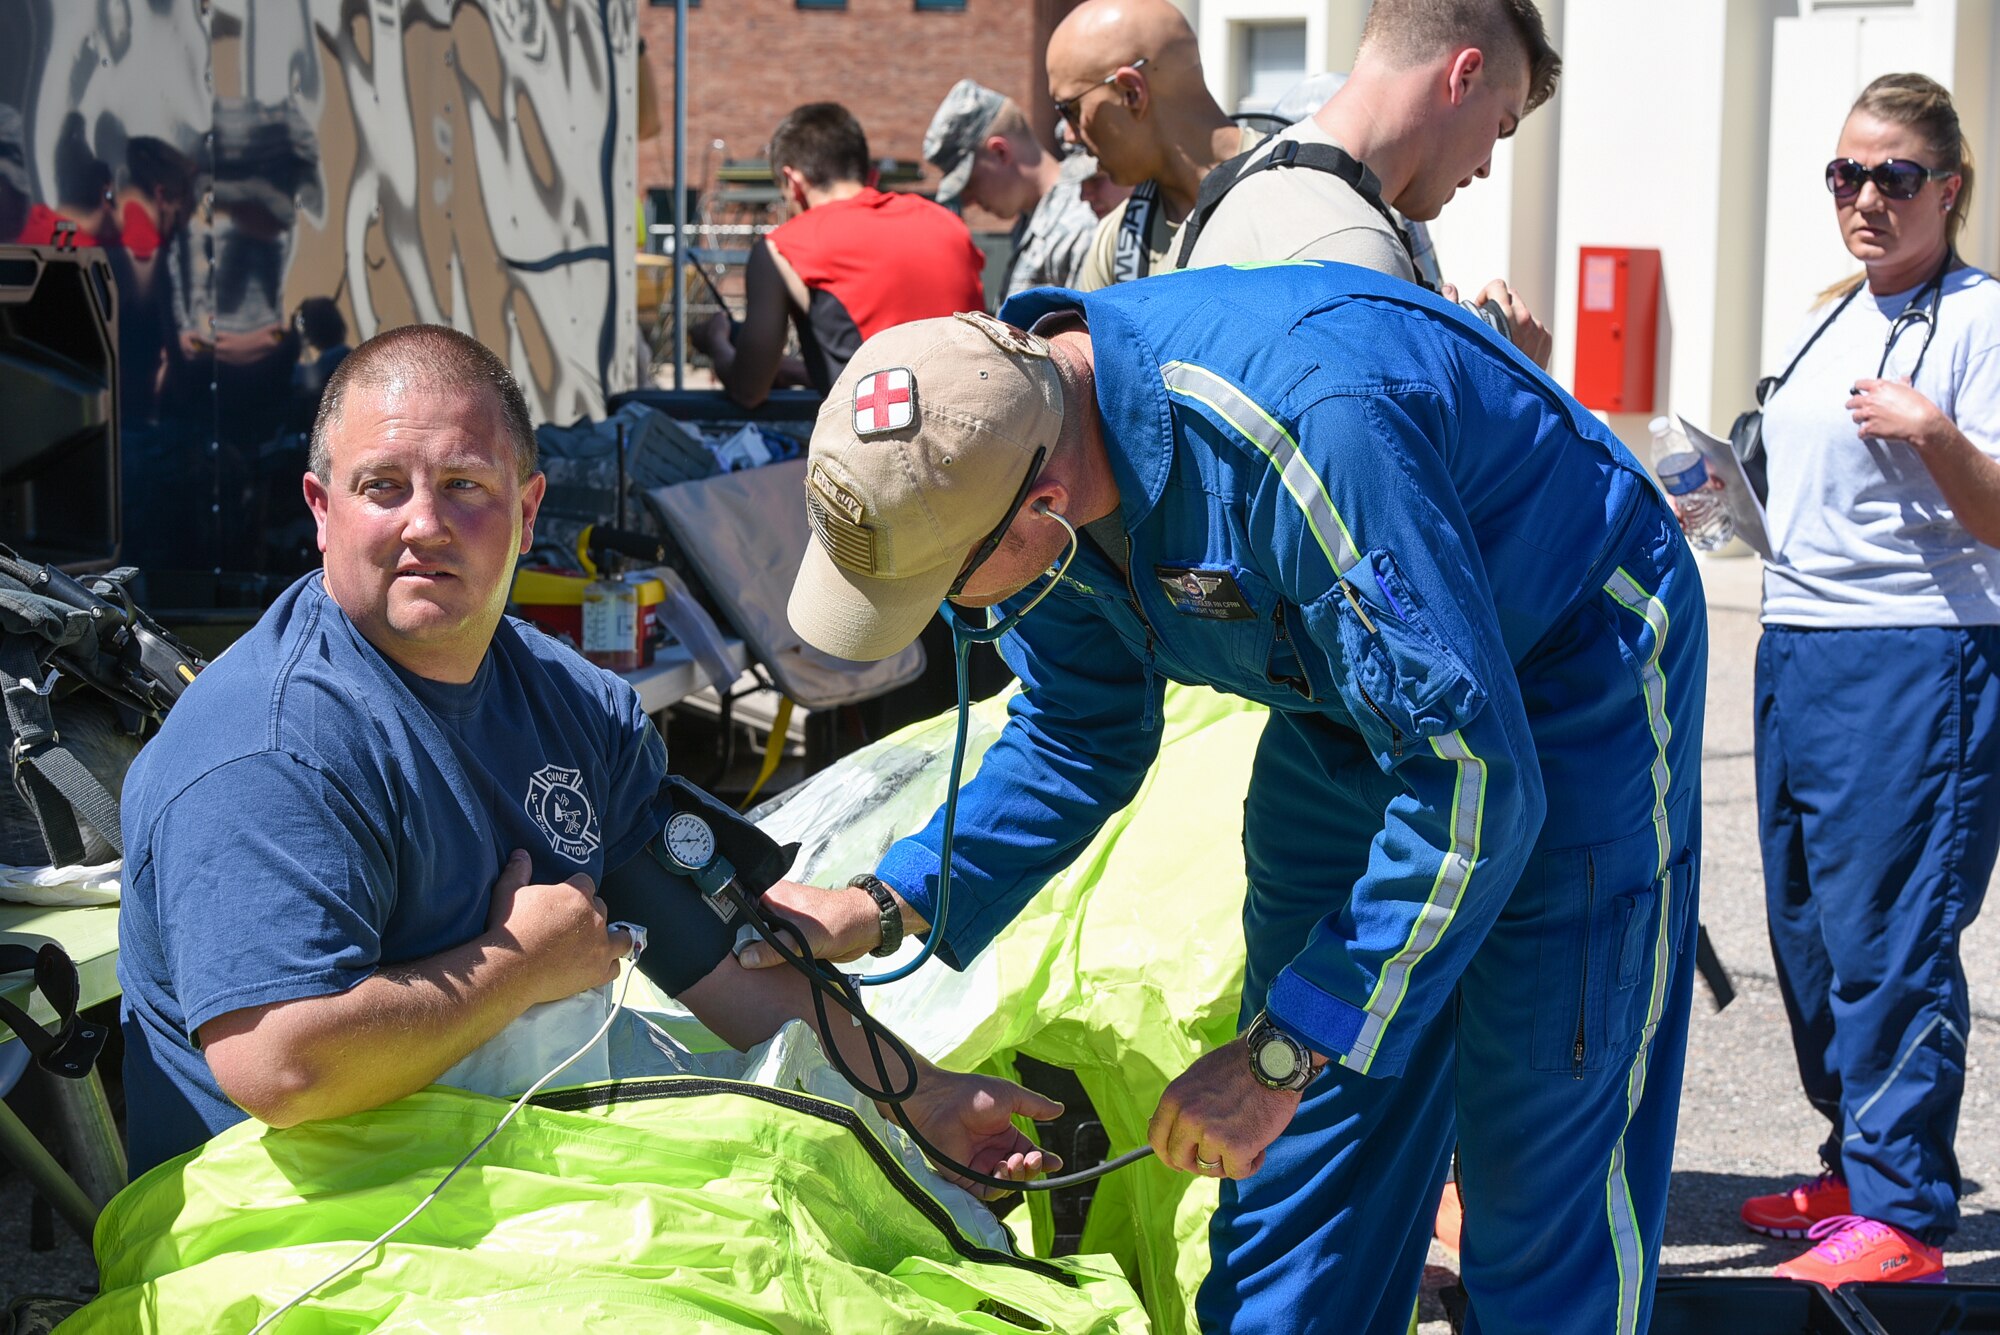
x=1878, y=800
x=1556, y=1067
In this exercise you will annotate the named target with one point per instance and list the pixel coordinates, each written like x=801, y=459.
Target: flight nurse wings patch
x=884, y=401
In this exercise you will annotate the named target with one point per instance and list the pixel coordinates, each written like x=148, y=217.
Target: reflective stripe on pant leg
x=1626, y=1243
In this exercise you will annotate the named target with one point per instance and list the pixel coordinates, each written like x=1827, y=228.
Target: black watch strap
x=891, y=912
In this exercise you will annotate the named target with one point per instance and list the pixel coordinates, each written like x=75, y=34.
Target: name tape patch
x=1212, y=594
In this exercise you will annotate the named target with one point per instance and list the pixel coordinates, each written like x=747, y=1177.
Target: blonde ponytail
x=1923, y=105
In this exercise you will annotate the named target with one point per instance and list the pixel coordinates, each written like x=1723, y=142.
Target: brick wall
x=751, y=61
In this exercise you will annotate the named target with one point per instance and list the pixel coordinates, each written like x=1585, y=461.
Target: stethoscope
x=1915, y=313
x=699, y=858
x=964, y=635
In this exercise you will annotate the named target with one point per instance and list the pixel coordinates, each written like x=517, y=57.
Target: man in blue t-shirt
x=370, y=835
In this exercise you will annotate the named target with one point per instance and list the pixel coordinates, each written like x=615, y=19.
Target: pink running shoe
x=1788, y=1214
x=1852, y=1248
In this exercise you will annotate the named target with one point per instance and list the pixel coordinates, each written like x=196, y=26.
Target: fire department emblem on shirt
x=557, y=803
x=882, y=401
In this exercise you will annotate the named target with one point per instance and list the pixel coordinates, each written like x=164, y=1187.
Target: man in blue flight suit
x=1472, y=829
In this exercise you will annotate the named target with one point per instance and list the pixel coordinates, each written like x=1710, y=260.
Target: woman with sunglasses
x=1878, y=690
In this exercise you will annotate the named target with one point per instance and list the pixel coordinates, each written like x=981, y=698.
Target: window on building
x=1271, y=57
x=819, y=4
x=956, y=5
x=669, y=4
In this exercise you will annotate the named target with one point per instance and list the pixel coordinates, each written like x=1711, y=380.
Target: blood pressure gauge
x=689, y=841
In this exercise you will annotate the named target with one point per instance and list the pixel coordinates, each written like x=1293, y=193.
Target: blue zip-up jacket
x=1342, y=495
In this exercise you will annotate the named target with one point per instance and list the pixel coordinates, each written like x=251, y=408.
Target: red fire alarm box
x=1617, y=328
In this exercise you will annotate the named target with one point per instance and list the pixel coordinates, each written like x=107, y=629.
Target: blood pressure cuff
x=685, y=937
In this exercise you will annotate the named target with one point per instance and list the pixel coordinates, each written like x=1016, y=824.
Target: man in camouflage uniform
x=989, y=155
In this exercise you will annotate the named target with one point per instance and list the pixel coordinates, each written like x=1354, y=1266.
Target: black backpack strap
x=64, y=796
x=1130, y=258
x=1328, y=158
x=1220, y=180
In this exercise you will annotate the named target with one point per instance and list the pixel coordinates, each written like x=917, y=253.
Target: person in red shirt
x=84, y=213
x=82, y=218
x=849, y=262
x=157, y=198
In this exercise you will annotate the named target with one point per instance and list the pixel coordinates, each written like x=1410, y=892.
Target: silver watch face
x=689, y=841
x=1277, y=1059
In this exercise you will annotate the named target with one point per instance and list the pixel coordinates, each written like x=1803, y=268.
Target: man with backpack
x=1434, y=87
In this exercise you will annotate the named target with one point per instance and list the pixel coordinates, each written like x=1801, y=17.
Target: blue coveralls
x=1878, y=783
x=1472, y=823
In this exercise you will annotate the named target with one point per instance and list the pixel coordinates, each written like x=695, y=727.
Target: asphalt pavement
x=1745, y=1126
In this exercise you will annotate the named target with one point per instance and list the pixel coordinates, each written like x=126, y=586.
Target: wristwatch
x=1278, y=1060
x=886, y=905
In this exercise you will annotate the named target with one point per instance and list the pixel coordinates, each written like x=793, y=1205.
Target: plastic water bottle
x=1704, y=515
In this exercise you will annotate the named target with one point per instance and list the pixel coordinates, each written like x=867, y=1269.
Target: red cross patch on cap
x=883, y=401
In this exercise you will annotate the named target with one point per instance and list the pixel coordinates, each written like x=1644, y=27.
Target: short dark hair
x=822, y=142
x=431, y=355
x=83, y=179
x=321, y=322
x=1407, y=31
x=156, y=166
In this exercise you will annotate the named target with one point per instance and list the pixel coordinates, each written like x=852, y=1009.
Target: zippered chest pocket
x=1603, y=946
x=1409, y=683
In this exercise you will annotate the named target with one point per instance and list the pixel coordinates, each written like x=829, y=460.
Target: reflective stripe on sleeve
x=1468, y=814
x=1258, y=427
x=1468, y=804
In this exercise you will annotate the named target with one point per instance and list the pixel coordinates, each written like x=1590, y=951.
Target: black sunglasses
x=1066, y=107
x=992, y=542
x=1897, y=178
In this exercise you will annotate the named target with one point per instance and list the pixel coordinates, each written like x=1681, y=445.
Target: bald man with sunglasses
x=1126, y=78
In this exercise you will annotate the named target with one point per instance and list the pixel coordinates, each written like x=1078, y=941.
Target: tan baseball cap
x=919, y=451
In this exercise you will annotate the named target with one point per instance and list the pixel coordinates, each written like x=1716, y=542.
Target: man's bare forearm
x=387, y=1036
x=743, y=1007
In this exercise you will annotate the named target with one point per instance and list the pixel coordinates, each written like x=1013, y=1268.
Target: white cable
x=638, y=935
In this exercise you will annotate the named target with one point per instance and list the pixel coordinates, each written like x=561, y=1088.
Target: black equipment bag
x=58, y=638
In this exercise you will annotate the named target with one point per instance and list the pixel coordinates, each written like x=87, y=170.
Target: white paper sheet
x=1744, y=507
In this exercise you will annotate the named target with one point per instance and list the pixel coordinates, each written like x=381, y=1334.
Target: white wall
x=1333, y=27
x=1640, y=165
x=1700, y=128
